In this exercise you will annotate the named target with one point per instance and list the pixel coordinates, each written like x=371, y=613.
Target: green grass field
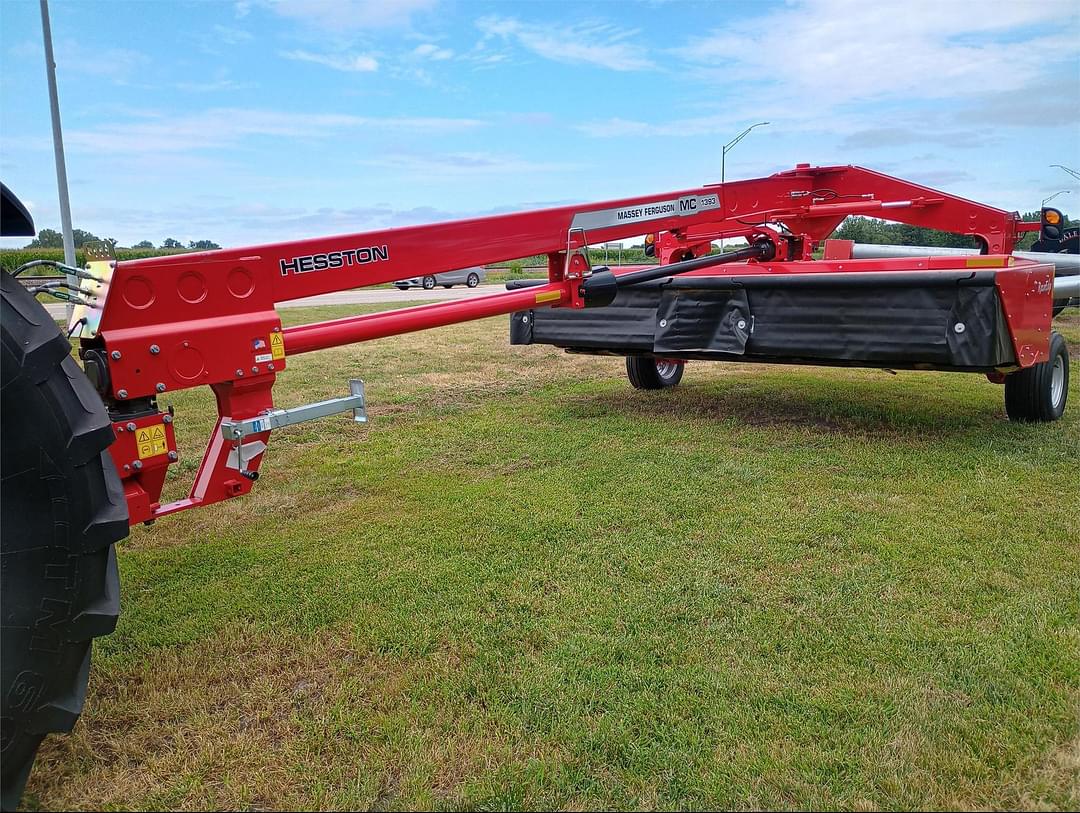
x=525, y=584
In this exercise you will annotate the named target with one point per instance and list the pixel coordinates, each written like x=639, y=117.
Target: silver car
x=448, y=279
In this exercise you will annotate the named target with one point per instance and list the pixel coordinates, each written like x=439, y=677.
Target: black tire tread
x=643, y=375
x=1027, y=391
x=57, y=475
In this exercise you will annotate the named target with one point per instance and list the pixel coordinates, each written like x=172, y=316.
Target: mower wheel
x=1039, y=392
x=647, y=373
x=62, y=509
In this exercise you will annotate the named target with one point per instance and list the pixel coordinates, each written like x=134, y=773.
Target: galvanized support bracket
x=238, y=430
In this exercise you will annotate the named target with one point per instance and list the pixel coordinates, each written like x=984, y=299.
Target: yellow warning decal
x=548, y=296
x=277, y=345
x=151, y=440
x=985, y=262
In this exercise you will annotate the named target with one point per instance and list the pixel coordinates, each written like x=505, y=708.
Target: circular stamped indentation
x=139, y=293
x=187, y=362
x=240, y=283
x=191, y=287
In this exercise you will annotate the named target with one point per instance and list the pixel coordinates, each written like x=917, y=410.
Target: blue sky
x=255, y=121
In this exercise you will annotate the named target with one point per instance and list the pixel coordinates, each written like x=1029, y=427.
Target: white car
x=448, y=279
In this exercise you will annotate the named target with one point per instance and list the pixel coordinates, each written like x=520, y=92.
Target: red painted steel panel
x=1027, y=291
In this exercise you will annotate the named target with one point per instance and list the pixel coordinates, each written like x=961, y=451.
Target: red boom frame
x=170, y=323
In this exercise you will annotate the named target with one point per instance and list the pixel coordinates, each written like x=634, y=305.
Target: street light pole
x=1062, y=192
x=58, y=147
x=723, y=165
x=1072, y=172
x=727, y=147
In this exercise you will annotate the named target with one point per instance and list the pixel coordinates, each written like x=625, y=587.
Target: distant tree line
x=50, y=238
x=882, y=232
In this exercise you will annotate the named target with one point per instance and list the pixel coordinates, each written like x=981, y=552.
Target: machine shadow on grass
x=847, y=404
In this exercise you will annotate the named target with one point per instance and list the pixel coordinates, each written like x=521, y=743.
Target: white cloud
x=350, y=63
x=74, y=56
x=837, y=51
x=599, y=44
x=433, y=52
x=336, y=16
x=223, y=127
x=26, y=49
x=229, y=35
x=697, y=126
x=220, y=82
x=464, y=164
x=483, y=56
x=212, y=86
x=876, y=75
x=904, y=135
x=488, y=59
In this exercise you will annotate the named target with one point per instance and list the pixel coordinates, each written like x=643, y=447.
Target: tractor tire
x=1038, y=393
x=647, y=373
x=61, y=512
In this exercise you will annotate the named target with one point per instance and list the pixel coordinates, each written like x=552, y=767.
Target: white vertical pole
x=723, y=166
x=58, y=147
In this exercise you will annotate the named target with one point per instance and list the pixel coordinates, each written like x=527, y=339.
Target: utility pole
x=723, y=164
x=58, y=149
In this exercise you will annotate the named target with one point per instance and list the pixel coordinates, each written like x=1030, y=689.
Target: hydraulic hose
x=600, y=288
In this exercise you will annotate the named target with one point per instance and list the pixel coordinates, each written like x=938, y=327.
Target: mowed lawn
x=525, y=584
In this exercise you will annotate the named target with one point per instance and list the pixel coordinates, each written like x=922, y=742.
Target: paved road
x=392, y=296
x=365, y=296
